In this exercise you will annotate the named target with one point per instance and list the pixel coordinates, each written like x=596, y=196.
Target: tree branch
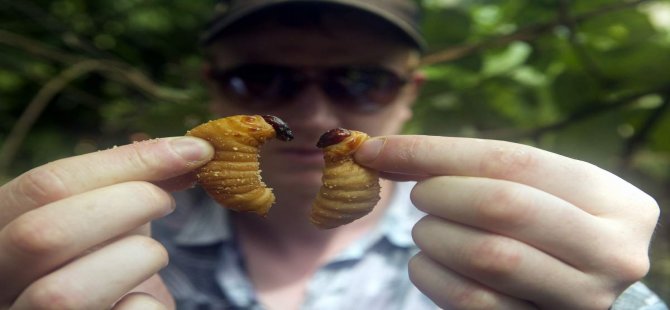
x=647, y=128
x=58, y=28
x=36, y=107
x=582, y=55
x=45, y=95
x=592, y=109
x=73, y=94
x=36, y=48
x=528, y=33
x=119, y=71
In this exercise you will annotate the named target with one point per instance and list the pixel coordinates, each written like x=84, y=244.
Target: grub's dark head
x=333, y=136
x=284, y=133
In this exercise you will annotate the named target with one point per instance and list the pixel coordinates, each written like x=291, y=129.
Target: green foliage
x=587, y=79
x=594, y=88
x=160, y=41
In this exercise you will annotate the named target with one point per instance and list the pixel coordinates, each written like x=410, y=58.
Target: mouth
x=303, y=155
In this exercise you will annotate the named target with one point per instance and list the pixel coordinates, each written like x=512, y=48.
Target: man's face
x=296, y=166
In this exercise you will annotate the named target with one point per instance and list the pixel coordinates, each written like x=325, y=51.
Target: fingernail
x=192, y=149
x=369, y=151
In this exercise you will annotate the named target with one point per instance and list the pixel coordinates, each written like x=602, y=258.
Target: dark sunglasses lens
x=367, y=89
x=258, y=84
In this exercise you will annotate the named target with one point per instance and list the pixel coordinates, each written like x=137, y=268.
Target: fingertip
x=192, y=149
x=370, y=150
x=138, y=300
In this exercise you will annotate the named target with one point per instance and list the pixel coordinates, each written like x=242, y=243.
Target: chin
x=299, y=181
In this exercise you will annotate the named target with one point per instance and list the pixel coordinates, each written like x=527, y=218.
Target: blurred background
x=586, y=79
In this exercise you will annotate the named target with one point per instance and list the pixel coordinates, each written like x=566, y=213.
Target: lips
x=303, y=155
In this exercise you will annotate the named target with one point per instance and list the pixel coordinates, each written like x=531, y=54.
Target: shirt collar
x=208, y=224
x=395, y=227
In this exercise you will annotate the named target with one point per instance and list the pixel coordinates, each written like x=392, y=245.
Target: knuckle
x=649, y=210
x=507, y=161
x=35, y=235
x=410, y=152
x=134, y=299
x=43, y=185
x=141, y=159
x=50, y=294
x=494, y=257
x=503, y=206
x=605, y=301
x=469, y=297
x=600, y=300
x=630, y=268
x=636, y=269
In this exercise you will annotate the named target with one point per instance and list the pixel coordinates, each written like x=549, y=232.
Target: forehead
x=280, y=44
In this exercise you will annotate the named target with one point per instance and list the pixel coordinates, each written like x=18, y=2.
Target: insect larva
x=233, y=177
x=349, y=191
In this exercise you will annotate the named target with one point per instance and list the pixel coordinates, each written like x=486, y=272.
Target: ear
x=410, y=94
x=414, y=86
x=418, y=79
x=208, y=77
x=206, y=72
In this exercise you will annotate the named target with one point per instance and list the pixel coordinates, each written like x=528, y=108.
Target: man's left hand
x=510, y=226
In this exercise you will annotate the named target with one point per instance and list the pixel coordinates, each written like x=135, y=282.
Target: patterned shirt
x=207, y=270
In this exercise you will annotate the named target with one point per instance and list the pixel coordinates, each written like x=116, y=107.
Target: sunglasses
x=363, y=88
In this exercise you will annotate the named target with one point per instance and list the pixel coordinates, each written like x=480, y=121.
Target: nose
x=311, y=108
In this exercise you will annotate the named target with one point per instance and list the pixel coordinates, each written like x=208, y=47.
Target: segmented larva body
x=349, y=191
x=233, y=176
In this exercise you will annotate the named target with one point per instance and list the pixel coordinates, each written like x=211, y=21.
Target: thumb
x=393, y=156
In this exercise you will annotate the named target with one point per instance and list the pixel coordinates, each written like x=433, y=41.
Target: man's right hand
x=74, y=233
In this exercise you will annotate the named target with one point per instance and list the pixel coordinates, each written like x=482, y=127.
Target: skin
x=281, y=258
x=497, y=201
x=524, y=228
x=75, y=232
x=527, y=228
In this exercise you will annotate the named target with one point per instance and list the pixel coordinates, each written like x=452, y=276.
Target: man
x=507, y=226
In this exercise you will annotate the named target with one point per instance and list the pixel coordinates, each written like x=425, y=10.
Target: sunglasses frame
x=365, y=88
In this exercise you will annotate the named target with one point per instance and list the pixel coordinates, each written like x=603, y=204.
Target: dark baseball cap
x=403, y=15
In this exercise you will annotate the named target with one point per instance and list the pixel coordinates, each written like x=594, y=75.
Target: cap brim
x=220, y=25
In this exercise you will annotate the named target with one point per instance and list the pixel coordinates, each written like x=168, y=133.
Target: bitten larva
x=349, y=191
x=233, y=177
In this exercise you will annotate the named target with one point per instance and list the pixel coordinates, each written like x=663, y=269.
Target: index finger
x=151, y=160
x=577, y=182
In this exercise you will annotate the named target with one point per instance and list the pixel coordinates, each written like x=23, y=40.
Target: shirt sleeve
x=638, y=297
